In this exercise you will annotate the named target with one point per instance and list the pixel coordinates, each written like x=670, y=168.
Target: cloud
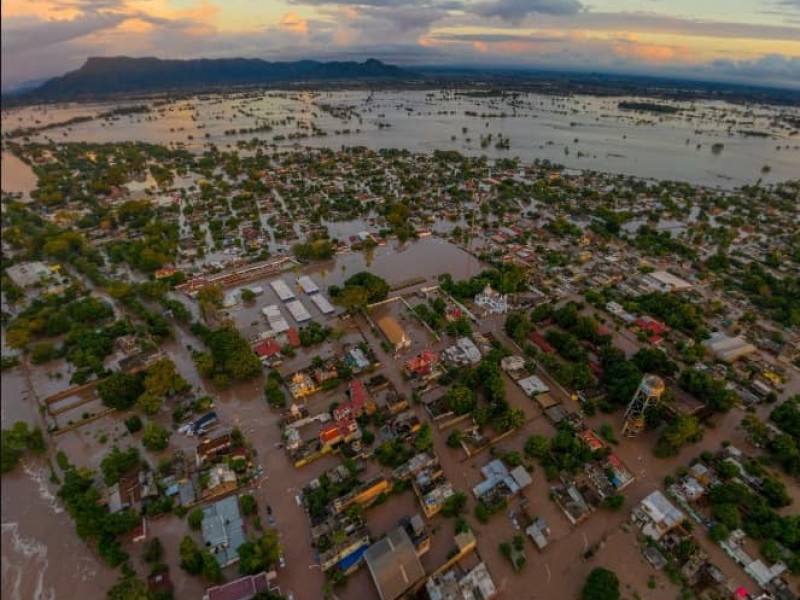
x=495, y=37
x=775, y=67
x=516, y=10
x=292, y=22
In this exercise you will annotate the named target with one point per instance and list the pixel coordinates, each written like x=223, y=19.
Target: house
x=491, y=301
x=243, y=588
x=533, y=386
x=394, y=333
x=728, y=349
x=656, y=515
x=221, y=479
x=458, y=585
x=394, y=565
x=211, y=448
x=223, y=530
x=357, y=404
x=498, y=479
x=165, y=272
x=343, y=430
x=267, y=349
x=29, y=273
x=542, y=343
x=662, y=281
x=464, y=352
x=422, y=365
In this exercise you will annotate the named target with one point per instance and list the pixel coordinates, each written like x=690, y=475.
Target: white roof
x=729, y=348
x=299, y=312
x=283, y=290
x=322, y=304
x=670, y=280
x=533, y=385
x=308, y=285
x=661, y=510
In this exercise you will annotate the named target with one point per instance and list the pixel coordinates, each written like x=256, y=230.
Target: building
x=394, y=333
x=533, y=386
x=492, y=302
x=394, y=565
x=454, y=584
x=282, y=290
x=298, y=311
x=223, y=530
x=728, y=349
x=656, y=515
x=662, y=281
x=498, y=479
x=307, y=284
x=321, y=302
x=423, y=365
x=463, y=352
x=342, y=430
x=243, y=588
x=29, y=273
x=357, y=404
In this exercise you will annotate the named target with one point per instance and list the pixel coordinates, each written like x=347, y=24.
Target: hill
x=105, y=76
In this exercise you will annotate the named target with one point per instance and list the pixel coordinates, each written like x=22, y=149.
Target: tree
x=153, y=551
x=129, y=587
x=191, y=556
x=454, y=439
x=211, y=569
x=775, y=492
x=117, y=463
x=121, y=390
x=460, y=399
x=536, y=446
x=615, y=501
x=454, y=505
x=423, y=440
x=248, y=505
x=601, y=584
x=195, y=519
x=685, y=429
x=155, y=437
x=719, y=532
x=259, y=555
x=14, y=442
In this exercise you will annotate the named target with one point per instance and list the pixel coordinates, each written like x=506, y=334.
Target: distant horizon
x=466, y=67
x=746, y=41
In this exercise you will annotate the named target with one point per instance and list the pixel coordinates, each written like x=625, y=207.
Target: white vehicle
x=282, y=561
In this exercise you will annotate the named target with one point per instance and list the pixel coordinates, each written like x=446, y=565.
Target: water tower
x=648, y=392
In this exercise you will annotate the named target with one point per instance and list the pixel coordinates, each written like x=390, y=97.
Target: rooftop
x=394, y=565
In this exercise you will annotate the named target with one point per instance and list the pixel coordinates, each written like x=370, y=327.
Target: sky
x=749, y=41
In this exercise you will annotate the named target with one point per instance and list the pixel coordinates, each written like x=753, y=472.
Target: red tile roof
x=543, y=344
x=294, y=338
x=421, y=364
x=239, y=589
x=267, y=348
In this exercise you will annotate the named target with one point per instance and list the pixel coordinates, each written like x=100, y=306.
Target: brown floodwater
x=580, y=132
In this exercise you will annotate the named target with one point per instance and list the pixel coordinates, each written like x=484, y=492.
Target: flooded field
x=706, y=142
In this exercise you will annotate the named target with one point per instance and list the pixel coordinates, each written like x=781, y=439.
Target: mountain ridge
x=104, y=76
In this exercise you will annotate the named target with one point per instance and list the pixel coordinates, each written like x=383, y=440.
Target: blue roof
x=353, y=558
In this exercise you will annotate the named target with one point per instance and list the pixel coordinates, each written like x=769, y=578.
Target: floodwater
x=579, y=132
x=16, y=176
x=42, y=557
